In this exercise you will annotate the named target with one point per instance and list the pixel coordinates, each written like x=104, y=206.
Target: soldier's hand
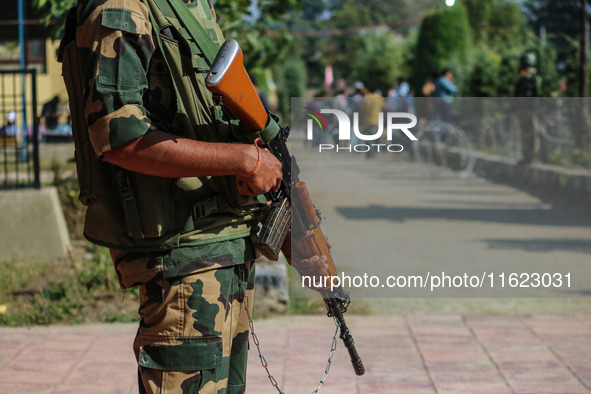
x=267, y=176
x=315, y=266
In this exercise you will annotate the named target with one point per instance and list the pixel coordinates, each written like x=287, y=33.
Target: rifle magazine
x=274, y=231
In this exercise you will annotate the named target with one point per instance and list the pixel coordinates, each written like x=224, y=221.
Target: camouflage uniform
x=193, y=334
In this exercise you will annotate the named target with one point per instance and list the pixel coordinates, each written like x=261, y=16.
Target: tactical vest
x=133, y=211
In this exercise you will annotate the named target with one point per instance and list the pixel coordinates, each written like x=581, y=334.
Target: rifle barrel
x=335, y=310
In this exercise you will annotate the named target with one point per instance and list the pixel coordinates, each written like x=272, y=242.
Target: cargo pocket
x=148, y=205
x=190, y=363
x=182, y=354
x=119, y=67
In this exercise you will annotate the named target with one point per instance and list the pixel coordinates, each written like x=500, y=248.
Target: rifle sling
x=210, y=50
x=198, y=33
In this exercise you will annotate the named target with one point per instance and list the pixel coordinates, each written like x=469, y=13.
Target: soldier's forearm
x=165, y=155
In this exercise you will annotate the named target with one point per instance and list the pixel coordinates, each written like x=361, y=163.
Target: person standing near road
x=446, y=90
x=373, y=105
x=10, y=129
x=527, y=87
x=169, y=187
x=340, y=102
x=51, y=113
x=428, y=108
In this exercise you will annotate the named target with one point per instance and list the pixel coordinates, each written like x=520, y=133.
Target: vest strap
x=268, y=133
x=207, y=207
x=210, y=50
x=130, y=209
x=198, y=34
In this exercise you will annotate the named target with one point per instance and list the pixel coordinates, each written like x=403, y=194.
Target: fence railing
x=19, y=130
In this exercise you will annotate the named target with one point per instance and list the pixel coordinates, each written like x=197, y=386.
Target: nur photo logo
x=361, y=138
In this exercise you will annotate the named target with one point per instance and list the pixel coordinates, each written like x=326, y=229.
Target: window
x=34, y=55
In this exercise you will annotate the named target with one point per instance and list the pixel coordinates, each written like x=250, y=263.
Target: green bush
x=291, y=78
x=381, y=62
x=444, y=41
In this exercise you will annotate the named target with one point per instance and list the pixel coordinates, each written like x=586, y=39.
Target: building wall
x=49, y=84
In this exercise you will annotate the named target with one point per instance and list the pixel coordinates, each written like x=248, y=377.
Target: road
x=391, y=216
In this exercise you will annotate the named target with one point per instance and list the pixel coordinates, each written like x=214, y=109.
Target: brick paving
x=402, y=354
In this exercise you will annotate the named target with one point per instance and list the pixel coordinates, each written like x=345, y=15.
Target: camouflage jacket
x=128, y=91
x=126, y=88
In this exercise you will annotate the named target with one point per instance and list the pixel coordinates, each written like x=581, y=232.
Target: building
x=41, y=55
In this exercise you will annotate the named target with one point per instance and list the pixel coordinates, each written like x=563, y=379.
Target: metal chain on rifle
x=255, y=339
x=333, y=348
x=264, y=363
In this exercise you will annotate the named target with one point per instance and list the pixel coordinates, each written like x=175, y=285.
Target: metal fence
x=19, y=131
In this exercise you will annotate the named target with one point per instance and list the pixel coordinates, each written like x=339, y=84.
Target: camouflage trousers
x=193, y=333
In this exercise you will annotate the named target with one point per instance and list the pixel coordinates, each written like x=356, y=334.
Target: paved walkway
x=402, y=354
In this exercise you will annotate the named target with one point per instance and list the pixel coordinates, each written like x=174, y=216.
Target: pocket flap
x=120, y=19
x=183, y=354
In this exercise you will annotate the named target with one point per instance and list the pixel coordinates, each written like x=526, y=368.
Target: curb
x=571, y=182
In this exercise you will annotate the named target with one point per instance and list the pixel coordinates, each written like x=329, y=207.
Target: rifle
x=229, y=81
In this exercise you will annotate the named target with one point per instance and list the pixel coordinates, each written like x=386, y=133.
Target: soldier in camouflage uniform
x=195, y=279
x=527, y=86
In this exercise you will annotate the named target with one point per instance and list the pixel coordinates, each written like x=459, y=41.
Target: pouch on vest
x=142, y=214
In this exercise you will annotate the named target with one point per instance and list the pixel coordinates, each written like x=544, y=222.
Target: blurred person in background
x=527, y=87
x=373, y=105
x=446, y=90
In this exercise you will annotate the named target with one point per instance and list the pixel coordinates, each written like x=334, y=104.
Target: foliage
x=497, y=23
x=558, y=18
x=230, y=12
x=576, y=158
x=444, y=41
x=316, y=9
x=388, y=11
x=291, y=78
x=382, y=61
x=340, y=51
x=54, y=11
x=546, y=67
x=61, y=292
x=495, y=72
x=484, y=80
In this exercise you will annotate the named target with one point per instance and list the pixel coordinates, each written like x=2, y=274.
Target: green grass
x=574, y=159
x=81, y=288
x=39, y=293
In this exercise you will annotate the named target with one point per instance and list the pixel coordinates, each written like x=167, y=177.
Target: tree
x=54, y=12
x=316, y=9
x=496, y=23
x=558, y=18
x=231, y=13
x=382, y=61
x=444, y=41
x=349, y=27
